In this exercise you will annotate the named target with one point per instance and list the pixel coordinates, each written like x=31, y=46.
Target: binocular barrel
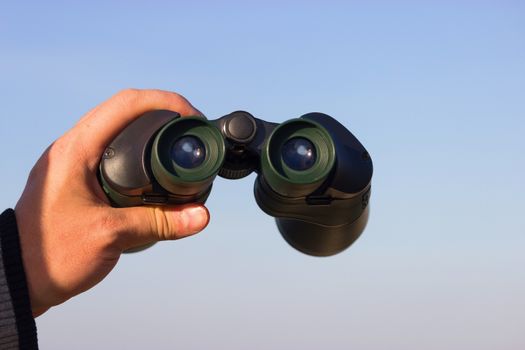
x=313, y=174
x=297, y=158
x=186, y=155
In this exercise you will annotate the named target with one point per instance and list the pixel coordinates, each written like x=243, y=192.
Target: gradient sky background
x=434, y=90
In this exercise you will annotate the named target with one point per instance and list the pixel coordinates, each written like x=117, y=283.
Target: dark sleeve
x=17, y=325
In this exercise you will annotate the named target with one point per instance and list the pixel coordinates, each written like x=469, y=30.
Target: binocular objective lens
x=188, y=152
x=299, y=154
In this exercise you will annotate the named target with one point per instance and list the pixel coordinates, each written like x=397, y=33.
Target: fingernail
x=197, y=219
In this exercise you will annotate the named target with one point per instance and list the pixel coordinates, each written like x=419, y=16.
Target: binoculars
x=313, y=174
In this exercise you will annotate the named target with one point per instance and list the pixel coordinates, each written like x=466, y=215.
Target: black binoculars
x=313, y=174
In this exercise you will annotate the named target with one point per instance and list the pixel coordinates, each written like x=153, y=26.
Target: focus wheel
x=233, y=174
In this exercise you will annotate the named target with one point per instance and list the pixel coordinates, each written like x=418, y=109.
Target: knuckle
x=160, y=223
x=128, y=96
x=65, y=143
x=59, y=146
x=67, y=150
x=179, y=99
x=128, y=93
x=165, y=228
x=170, y=97
x=34, y=174
x=165, y=94
x=39, y=169
x=173, y=96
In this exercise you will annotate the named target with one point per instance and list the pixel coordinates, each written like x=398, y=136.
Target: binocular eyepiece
x=313, y=174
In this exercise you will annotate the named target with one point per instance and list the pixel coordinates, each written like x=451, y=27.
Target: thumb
x=145, y=225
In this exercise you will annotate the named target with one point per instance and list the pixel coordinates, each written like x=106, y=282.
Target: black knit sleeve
x=17, y=326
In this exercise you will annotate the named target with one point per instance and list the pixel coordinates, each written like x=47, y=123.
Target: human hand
x=70, y=236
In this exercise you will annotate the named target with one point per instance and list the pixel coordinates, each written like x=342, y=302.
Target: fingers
x=144, y=225
x=101, y=125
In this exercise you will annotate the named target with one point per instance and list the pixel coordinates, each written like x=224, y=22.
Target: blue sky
x=434, y=90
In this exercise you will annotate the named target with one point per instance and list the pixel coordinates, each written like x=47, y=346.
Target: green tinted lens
x=187, y=154
x=298, y=153
x=297, y=157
